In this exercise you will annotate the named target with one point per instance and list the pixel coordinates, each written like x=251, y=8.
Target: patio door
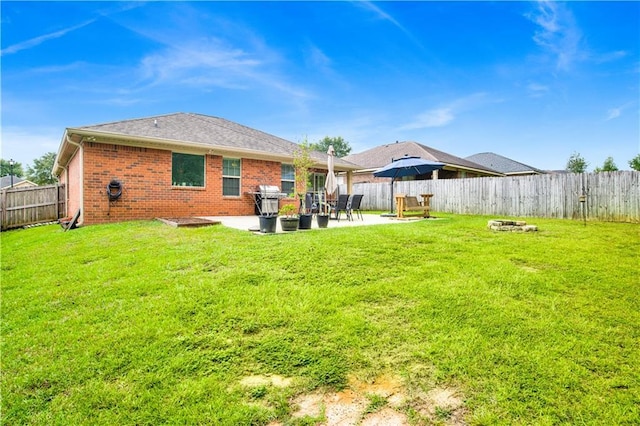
x=318, y=182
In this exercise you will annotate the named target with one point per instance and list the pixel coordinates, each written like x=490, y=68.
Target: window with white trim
x=288, y=179
x=231, y=177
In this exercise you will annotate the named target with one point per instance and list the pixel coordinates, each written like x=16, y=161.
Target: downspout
x=78, y=145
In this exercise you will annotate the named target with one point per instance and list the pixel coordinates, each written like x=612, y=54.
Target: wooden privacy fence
x=609, y=196
x=28, y=206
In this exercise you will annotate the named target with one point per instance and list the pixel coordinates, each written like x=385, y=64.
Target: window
x=231, y=177
x=318, y=182
x=187, y=170
x=288, y=179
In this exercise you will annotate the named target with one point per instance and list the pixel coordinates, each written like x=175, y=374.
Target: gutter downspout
x=79, y=149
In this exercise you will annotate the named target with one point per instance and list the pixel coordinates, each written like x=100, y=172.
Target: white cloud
x=196, y=62
x=537, y=90
x=444, y=115
x=613, y=113
x=194, y=56
x=437, y=117
x=28, y=44
x=387, y=17
x=316, y=58
x=558, y=33
x=616, y=112
x=610, y=56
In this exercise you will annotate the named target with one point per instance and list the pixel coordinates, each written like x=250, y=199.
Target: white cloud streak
x=36, y=41
x=616, y=112
x=446, y=114
x=558, y=34
x=386, y=17
x=537, y=90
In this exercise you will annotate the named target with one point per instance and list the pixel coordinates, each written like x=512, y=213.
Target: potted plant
x=288, y=217
x=268, y=223
x=323, y=214
x=302, y=162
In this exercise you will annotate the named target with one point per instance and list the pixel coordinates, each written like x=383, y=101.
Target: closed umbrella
x=406, y=166
x=330, y=183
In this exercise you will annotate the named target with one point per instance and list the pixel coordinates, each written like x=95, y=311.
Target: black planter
x=268, y=224
x=305, y=221
x=323, y=220
x=289, y=223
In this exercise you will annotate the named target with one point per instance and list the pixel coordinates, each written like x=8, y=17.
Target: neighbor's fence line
x=31, y=205
x=610, y=196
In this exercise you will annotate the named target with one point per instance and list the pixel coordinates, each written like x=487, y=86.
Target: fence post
x=3, y=209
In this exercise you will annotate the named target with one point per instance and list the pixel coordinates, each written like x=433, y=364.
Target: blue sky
x=533, y=81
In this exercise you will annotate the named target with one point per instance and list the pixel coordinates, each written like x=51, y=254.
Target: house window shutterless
x=231, y=177
x=187, y=170
x=288, y=179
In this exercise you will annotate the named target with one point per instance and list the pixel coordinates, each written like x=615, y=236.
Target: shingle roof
x=502, y=164
x=5, y=181
x=382, y=155
x=203, y=132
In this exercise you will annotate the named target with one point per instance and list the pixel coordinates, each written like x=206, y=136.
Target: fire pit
x=510, y=225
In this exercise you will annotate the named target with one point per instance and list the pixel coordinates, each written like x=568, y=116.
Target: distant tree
x=40, y=173
x=5, y=168
x=340, y=146
x=608, y=166
x=576, y=163
x=634, y=163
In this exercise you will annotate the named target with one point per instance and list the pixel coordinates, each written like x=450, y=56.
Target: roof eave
x=159, y=143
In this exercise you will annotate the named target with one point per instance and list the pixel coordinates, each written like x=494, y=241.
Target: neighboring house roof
x=191, y=132
x=382, y=155
x=5, y=182
x=503, y=164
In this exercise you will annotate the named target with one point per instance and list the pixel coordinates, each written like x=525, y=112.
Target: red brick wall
x=145, y=175
x=71, y=179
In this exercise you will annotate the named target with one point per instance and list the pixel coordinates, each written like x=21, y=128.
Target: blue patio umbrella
x=406, y=166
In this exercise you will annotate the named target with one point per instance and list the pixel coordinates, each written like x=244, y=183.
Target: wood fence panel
x=610, y=196
x=31, y=205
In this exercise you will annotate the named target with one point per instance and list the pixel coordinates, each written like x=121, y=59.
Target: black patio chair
x=356, y=200
x=341, y=206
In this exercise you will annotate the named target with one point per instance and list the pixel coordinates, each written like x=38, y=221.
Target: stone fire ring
x=510, y=225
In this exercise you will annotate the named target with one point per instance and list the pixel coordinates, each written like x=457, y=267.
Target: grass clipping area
x=430, y=322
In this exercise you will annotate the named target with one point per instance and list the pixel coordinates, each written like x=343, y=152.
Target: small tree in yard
x=577, y=164
x=634, y=163
x=302, y=162
x=608, y=166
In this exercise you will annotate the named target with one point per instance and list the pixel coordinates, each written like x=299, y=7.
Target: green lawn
x=142, y=323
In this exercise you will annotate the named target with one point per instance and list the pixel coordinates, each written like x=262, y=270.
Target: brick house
x=377, y=157
x=175, y=165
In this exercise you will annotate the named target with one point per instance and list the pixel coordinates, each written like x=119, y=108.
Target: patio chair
x=341, y=206
x=310, y=206
x=355, y=205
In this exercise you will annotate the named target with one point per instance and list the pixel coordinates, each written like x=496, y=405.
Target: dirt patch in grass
x=191, y=222
x=275, y=381
x=383, y=402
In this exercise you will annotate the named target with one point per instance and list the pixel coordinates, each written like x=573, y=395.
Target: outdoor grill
x=266, y=199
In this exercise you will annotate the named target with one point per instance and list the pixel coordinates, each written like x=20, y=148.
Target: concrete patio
x=251, y=223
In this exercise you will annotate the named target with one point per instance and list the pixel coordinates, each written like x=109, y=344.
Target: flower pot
x=305, y=221
x=289, y=223
x=268, y=224
x=323, y=220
